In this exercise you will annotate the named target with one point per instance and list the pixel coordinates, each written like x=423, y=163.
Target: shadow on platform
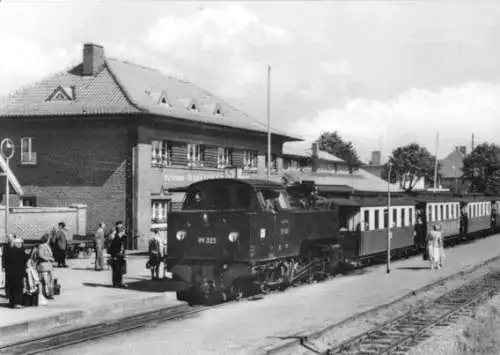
x=414, y=268
x=146, y=285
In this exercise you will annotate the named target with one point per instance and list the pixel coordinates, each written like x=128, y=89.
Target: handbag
x=57, y=287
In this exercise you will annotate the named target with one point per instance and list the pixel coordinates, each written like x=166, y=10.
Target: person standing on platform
x=6, y=248
x=99, y=247
x=15, y=262
x=156, y=255
x=434, y=247
x=117, y=253
x=44, y=260
x=440, y=246
x=61, y=245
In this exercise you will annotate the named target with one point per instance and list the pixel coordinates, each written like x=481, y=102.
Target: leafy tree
x=482, y=169
x=409, y=164
x=333, y=143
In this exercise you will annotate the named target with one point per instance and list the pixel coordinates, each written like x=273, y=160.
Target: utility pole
x=7, y=144
x=389, y=231
x=436, y=163
x=268, y=122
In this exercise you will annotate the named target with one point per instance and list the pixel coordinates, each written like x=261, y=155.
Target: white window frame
x=161, y=153
x=159, y=211
x=224, y=157
x=195, y=155
x=250, y=160
x=29, y=157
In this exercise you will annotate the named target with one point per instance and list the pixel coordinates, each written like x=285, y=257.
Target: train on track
x=234, y=238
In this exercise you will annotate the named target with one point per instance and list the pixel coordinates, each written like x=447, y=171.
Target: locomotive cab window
x=272, y=200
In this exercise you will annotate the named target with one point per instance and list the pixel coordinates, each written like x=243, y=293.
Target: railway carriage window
x=441, y=214
x=410, y=216
x=377, y=220
x=366, y=221
x=386, y=218
x=430, y=214
x=447, y=212
x=395, y=217
x=403, y=221
x=436, y=218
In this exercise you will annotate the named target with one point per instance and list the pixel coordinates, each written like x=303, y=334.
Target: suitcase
x=30, y=300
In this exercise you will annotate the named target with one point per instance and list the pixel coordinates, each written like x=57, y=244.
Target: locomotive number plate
x=207, y=240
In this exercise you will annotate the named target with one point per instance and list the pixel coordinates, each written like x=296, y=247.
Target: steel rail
x=99, y=330
x=392, y=335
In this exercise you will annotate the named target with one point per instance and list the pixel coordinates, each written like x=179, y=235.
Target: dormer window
x=217, y=110
x=159, y=98
x=193, y=108
x=62, y=93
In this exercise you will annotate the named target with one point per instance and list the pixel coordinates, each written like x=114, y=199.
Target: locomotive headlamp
x=262, y=233
x=205, y=218
x=233, y=236
x=181, y=235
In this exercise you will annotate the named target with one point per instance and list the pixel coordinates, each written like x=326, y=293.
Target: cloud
x=415, y=115
x=216, y=43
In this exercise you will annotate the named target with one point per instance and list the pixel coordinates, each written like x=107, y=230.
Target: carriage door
x=421, y=223
x=464, y=218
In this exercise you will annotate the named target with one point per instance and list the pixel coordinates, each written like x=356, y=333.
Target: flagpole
x=268, y=122
x=436, y=162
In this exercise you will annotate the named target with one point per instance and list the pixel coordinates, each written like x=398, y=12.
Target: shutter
x=238, y=158
x=210, y=157
x=179, y=154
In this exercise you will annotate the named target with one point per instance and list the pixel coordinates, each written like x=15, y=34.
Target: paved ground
x=248, y=326
x=87, y=296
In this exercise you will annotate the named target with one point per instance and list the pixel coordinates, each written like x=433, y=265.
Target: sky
x=382, y=74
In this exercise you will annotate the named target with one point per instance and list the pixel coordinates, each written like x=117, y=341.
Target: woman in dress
x=434, y=245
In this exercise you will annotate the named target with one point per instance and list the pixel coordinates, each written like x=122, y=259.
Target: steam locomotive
x=235, y=238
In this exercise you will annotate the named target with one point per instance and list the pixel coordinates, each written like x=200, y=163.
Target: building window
x=430, y=213
x=159, y=211
x=195, y=155
x=274, y=162
x=161, y=153
x=294, y=164
x=224, y=157
x=249, y=160
x=28, y=157
x=28, y=201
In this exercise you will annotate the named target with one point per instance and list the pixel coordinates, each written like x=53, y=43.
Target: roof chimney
x=93, y=59
x=376, y=157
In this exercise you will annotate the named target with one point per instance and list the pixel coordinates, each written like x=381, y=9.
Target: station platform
x=255, y=326
x=87, y=297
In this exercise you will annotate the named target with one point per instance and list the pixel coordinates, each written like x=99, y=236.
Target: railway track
x=399, y=335
x=99, y=330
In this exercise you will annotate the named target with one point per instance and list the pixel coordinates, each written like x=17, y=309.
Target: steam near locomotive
x=234, y=238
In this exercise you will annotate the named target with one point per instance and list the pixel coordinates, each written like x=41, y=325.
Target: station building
x=116, y=136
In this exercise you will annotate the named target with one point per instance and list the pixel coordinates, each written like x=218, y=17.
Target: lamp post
x=7, y=150
x=389, y=231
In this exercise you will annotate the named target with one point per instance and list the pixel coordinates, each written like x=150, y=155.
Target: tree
x=482, y=169
x=333, y=143
x=409, y=164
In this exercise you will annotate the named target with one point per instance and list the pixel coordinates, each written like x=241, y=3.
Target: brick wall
x=33, y=222
x=79, y=162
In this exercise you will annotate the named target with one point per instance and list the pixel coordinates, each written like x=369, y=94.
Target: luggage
x=30, y=300
x=57, y=287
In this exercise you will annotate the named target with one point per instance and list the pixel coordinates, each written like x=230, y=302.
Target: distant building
x=376, y=158
x=451, y=175
x=303, y=161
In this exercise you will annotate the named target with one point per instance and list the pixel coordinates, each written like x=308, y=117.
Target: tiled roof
x=94, y=95
x=304, y=150
x=138, y=82
x=454, y=159
x=125, y=88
